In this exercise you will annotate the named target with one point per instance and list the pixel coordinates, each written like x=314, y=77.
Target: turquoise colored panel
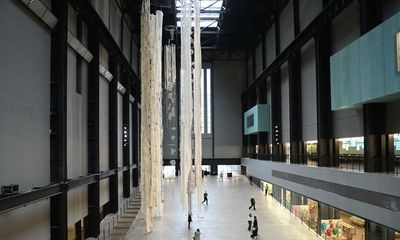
x=257, y=119
x=366, y=70
x=372, y=69
x=392, y=76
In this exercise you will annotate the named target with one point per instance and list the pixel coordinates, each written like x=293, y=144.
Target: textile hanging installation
x=190, y=104
x=151, y=114
x=197, y=103
x=186, y=102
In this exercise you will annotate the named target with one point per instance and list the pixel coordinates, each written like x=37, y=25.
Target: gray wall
x=227, y=108
x=345, y=28
x=380, y=183
x=389, y=8
x=308, y=92
x=270, y=45
x=393, y=117
x=24, y=113
x=285, y=103
x=308, y=10
x=286, y=26
x=259, y=63
x=250, y=76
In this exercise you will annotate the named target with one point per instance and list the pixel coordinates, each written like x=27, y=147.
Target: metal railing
x=346, y=162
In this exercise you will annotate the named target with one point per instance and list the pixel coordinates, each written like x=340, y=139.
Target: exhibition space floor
x=225, y=217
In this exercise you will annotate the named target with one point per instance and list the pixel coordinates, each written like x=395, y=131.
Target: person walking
x=266, y=190
x=205, y=197
x=249, y=220
x=189, y=220
x=197, y=235
x=253, y=203
x=255, y=223
x=221, y=176
x=254, y=232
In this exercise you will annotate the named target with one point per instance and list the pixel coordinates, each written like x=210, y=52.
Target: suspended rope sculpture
x=190, y=104
x=197, y=103
x=151, y=114
x=186, y=101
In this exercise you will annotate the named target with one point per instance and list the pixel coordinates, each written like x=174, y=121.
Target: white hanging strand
x=197, y=103
x=151, y=114
x=186, y=102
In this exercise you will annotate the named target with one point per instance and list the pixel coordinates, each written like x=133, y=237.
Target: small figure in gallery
x=255, y=223
x=249, y=220
x=251, y=180
x=189, y=220
x=205, y=195
x=253, y=203
x=254, y=233
x=197, y=235
x=266, y=190
x=221, y=177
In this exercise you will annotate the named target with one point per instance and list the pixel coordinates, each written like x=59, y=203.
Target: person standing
x=266, y=190
x=221, y=176
x=197, y=235
x=249, y=220
x=253, y=203
x=205, y=197
x=255, y=223
x=189, y=220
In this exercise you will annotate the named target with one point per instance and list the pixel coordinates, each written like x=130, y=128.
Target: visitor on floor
x=249, y=220
x=197, y=235
x=255, y=223
x=255, y=232
x=266, y=190
x=189, y=220
x=205, y=195
x=221, y=177
x=253, y=203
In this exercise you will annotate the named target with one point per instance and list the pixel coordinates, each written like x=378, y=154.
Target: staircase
x=116, y=227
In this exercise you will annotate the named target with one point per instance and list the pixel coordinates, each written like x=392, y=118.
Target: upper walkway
x=225, y=217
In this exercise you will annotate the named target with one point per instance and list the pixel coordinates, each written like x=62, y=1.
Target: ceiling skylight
x=209, y=13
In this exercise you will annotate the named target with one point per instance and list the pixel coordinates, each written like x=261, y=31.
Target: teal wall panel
x=366, y=70
x=257, y=119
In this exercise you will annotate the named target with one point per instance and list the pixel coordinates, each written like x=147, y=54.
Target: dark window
x=250, y=121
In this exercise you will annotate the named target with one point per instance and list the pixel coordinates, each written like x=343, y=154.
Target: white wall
x=104, y=191
x=285, y=103
x=103, y=114
x=77, y=154
x=24, y=98
x=227, y=108
x=26, y=223
x=309, y=91
x=24, y=112
x=77, y=205
x=348, y=123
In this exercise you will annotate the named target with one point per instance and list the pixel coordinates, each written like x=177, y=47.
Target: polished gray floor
x=225, y=217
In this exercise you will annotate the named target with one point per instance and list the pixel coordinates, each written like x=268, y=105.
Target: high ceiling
x=225, y=24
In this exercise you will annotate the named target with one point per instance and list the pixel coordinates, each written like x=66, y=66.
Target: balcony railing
x=347, y=162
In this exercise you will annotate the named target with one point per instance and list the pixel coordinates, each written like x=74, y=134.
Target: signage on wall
x=398, y=50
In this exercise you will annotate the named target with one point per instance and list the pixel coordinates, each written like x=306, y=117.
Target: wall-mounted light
x=41, y=11
x=75, y=44
x=121, y=88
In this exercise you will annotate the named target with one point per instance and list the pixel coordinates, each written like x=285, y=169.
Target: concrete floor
x=225, y=217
